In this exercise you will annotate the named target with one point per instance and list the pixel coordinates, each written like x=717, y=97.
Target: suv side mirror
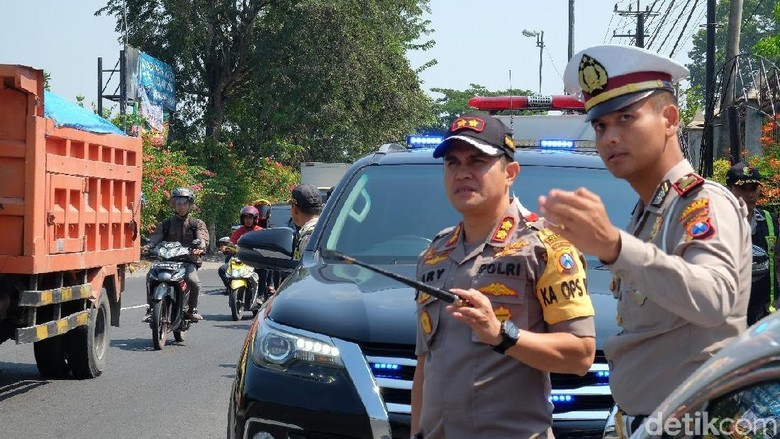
x=268, y=248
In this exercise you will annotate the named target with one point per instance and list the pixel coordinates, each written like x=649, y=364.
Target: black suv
x=332, y=354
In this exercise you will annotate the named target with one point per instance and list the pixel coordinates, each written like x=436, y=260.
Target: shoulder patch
x=688, y=183
x=701, y=229
x=699, y=207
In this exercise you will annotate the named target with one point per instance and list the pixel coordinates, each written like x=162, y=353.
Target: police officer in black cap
x=745, y=182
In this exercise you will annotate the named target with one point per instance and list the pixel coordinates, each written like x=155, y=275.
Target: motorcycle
x=243, y=283
x=169, y=291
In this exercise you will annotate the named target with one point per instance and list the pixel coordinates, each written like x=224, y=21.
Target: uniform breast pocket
x=508, y=299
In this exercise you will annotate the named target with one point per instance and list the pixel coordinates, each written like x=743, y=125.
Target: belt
x=626, y=425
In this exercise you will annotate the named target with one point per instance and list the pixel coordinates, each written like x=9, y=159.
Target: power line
x=693, y=29
x=661, y=23
x=693, y=9
x=549, y=55
x=674, y=25
x=745, y=20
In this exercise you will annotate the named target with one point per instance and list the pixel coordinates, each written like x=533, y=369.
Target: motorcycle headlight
x=275, y=347
x=236, y=273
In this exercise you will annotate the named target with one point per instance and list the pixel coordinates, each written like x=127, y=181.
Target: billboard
x=151, y=83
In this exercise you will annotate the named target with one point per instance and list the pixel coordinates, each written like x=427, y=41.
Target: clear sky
x=476, y=41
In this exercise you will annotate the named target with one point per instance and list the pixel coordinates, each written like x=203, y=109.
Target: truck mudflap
x=52, y=329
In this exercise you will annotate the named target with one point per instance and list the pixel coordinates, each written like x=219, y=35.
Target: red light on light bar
x=501, y=103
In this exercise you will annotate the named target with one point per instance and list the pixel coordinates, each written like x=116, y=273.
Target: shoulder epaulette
x=444, y=232
x=686, y=184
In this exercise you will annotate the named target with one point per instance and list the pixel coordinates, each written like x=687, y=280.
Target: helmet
x=249, y=211
x=264, y=211
x=183, y=192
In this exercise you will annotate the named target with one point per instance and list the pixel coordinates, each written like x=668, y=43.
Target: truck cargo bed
x=69, y=199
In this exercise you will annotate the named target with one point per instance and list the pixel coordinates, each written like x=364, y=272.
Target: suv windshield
x=389, y=214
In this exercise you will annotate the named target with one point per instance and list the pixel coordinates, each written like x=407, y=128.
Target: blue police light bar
x=423, y=141
x=386, y=366
x=562, y=399
x=556, y=144
x=386, y=370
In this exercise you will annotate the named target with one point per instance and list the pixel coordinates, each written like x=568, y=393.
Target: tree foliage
x=336, y=82
x=274, y=81
x=769, y=46
x=757, y=23
x=296, y=80
x=210, y=43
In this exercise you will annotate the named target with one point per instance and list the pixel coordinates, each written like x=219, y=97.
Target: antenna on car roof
x=511, y=114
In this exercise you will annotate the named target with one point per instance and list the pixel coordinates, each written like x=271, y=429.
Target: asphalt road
x=181, y=391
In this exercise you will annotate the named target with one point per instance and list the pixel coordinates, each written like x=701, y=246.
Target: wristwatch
x=510, y=334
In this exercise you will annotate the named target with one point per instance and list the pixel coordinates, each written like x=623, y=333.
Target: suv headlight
x=277, y=348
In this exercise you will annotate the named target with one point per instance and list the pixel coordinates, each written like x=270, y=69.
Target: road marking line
x=134, y=307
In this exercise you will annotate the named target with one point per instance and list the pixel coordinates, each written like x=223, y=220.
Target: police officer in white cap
x=682, y=266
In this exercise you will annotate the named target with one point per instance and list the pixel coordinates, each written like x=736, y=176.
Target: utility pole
x=730, y=143
x=709, y=90
x=641, y=16
x=571, y=28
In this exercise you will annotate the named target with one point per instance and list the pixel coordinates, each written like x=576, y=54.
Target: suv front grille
x=574, y=397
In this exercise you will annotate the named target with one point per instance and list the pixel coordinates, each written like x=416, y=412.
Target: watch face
x=510, y=329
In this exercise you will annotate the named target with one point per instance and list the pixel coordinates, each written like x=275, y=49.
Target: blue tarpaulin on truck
x=67, y=114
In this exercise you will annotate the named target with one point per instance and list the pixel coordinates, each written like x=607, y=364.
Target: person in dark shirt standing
x=745, y=182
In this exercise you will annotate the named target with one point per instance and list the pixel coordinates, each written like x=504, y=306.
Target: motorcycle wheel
x=178, y=336
x=160, y=320
x=236, y=305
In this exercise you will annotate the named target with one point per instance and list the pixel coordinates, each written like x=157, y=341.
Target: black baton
x=446, y=296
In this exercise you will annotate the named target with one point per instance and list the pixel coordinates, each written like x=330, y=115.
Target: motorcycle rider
x=182, y=228
x=249, y=223
x=264, y=219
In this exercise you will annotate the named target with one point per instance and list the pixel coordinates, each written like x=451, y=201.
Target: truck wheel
x=51, y=356
x=88, y=345
x=160, y=320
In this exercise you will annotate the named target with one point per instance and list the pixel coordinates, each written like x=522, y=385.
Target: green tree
x=757, y=23
x=210, y=43
x=336, y=81
x=769, y=46
x=296, y=80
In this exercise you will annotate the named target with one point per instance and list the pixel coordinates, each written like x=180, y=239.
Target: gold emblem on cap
x=509, y=142
x=593, y=77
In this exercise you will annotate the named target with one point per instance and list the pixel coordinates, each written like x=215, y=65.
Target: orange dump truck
x=69, y=207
